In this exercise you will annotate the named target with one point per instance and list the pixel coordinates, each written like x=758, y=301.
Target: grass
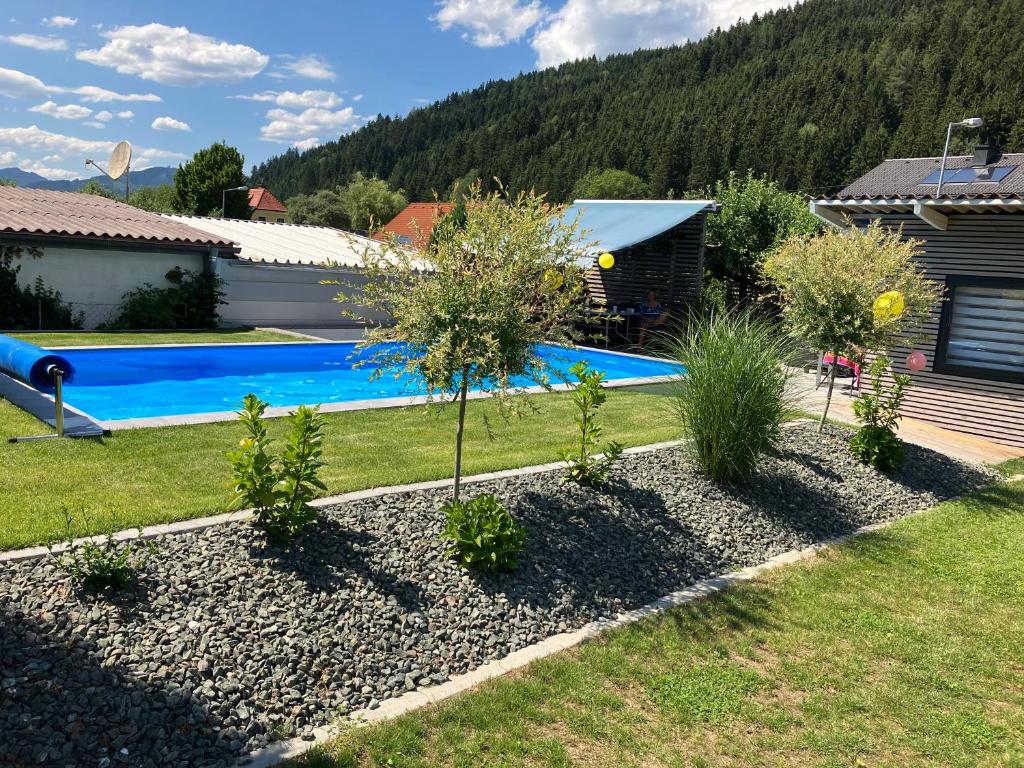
x=147, y=476
x=901, y=648
x=100, y=338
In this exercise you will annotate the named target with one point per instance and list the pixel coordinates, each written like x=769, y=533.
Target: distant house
x=974, y=246
x=94, y=250
x=414, y=225
x=266, y=207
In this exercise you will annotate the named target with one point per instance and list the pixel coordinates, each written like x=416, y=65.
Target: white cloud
x=305, y=144
x=104, y=115
x=94, y=124
x=175, y=56
x=36, y=139
x=357, y=97
x=309, y=66
x=293, y=100
x=126, y=114
x=47, y=171
x=39, y=42
x=19, y=85
x=584, y=28
x=489, y=24
x=61, y=112
x=170, y=124
x=8, y=159
x=60, y=21
x=301, y=128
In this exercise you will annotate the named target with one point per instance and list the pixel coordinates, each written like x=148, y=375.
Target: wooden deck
x=956, y=444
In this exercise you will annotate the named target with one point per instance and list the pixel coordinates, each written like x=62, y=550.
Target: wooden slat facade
x=976, y=245
x=671, y=263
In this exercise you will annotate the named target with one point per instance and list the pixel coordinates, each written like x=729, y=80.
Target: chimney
x=985, y=154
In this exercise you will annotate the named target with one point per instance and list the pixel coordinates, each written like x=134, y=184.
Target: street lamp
x=224, y=198
x=970, y=122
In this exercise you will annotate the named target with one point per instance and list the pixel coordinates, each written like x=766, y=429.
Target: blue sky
x=172, y=77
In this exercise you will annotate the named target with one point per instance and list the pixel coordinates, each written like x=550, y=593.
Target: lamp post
x=224, y=199
x=970, y=122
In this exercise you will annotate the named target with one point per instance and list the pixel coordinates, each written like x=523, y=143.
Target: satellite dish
x=120, y=159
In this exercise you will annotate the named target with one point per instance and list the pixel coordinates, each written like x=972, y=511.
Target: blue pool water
x=142, y=382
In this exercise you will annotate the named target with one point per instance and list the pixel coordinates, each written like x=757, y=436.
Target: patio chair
x=826, y=361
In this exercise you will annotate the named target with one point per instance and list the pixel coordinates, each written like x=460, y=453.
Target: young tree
x=470, y=310
x=369, y=202
x=157, y=199
x=755, y=218
x=199, y=184
x=323, y=208
x=611, y=184
x=844, y=291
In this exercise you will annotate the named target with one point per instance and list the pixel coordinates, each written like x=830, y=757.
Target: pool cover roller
x=32, y=364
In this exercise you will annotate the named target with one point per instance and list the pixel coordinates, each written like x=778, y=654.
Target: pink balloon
x=916, y=361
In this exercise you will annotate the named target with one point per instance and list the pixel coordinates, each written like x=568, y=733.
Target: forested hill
x=812, y=96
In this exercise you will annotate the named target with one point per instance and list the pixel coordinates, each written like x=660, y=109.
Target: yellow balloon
x=889, y=305
x=606, y=260
x=553, y=279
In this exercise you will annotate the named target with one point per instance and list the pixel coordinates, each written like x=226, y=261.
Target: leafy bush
x=878, y=411
x=279, y=490
x=105, y=564
x=190, y=301
x=37, y=307
x=483, y=534
x=584, y=466
x=732, y=398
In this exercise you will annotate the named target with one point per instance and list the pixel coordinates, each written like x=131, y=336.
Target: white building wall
x=94, y=280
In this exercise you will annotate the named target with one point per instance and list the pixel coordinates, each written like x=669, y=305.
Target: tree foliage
x=323, y=208
x=829, y=284
x=471, y=309
x=199, y=184
x=93, y=187
x=156, y=199
x=611, y=184
x=755, y=218
x=370, y=202
x=895, y=73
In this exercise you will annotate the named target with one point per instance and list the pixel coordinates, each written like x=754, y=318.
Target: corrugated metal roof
x=73, y=214
x=617, y=224
x=271, y=243
x=902, y=177
x=263, y=199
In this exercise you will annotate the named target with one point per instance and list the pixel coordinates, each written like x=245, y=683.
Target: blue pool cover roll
x=31, y=364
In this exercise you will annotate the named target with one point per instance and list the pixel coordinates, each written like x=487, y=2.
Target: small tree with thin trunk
x=831, y=284
x=469, y=311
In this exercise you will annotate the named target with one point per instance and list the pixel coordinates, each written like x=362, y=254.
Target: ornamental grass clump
x=483, y=534
x=878, y=411
x=583, y=463
x=278, y=489
x=851, y=291
x=732, y=398
x=470, y=310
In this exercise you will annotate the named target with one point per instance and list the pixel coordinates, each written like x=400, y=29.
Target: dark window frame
x=969, y=371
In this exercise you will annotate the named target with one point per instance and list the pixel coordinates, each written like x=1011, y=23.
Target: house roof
x=270, y=243
x=48, y=213
x=417, y=221
x=263, y=199
x=611, y=225
x=902, y=177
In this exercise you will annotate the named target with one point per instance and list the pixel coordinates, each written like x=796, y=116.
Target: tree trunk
x=458, y=433
x=828, y=397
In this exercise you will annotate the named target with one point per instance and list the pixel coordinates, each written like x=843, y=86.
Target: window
x=280, y=220
x=261, y=218
x=982, y=330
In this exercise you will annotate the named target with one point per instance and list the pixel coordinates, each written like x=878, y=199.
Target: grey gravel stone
x=228, y=642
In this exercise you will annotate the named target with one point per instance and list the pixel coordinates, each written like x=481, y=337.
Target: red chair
x=827, y=360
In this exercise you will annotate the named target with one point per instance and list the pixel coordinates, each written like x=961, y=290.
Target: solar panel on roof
x=969, y=175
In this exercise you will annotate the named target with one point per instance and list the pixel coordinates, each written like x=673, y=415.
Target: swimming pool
x=181, y=384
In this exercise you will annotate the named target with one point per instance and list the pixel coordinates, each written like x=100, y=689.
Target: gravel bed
x=228, y=643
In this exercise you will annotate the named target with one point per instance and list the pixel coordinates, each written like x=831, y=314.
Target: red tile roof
x=264, y=200
x=417, y=221
x=44, y=212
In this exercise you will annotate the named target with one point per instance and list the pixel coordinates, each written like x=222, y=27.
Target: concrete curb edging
x=390, y=709
x=201, y=523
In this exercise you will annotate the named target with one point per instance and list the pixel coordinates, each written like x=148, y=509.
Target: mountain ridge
x=148, y=177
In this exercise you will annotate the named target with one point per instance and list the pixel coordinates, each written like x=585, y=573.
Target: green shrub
x=30, y=308
x=732, y=398
x=878, y=411
x=103, y=564
x=190, y=301
x=483, y=534
x=279, y=490
x=584, y=466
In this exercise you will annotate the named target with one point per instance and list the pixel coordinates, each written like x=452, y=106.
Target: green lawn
x=902, y=648
x=146, y=476
x=99, y=338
